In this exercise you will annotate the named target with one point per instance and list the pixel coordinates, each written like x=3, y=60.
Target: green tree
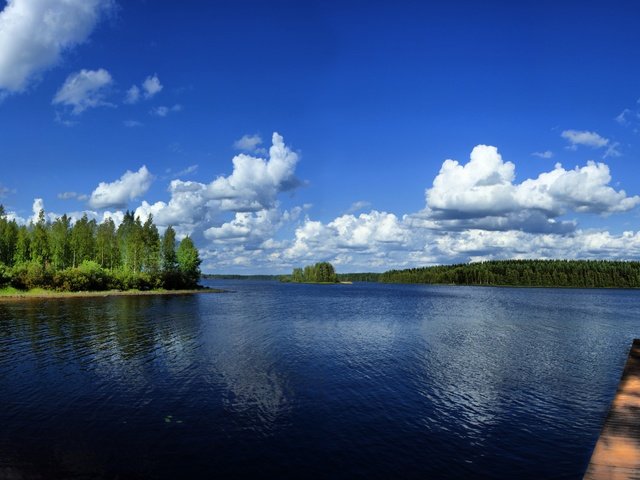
x=40, y=251
x=83, y=242
x=297, y=275
x=131, y=242
x=8, y=238
x=325, y=272
x=169, y=259
x=107, y=251
x=189, y=262
x=60, y=241
x=23, y=244
x=150, y=247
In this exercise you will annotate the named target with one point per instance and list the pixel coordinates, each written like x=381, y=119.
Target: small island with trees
x=58, y=256
x=321, y=272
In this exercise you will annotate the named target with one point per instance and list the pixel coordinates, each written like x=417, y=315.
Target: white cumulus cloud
x=84, y=89
x=117, y=194
x=369, y=238
x=35, y=33
x=255, y=181
x=252, y=229
x=253, y=186
x=482, y=194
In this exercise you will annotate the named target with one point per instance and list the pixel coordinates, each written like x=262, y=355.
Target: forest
x=321, y=272
x=87, y=256
x=533, y=273
x=359, y=277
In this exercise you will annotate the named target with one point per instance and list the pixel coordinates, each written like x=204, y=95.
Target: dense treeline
x=535, y=273
x=359, y=277
x=91, y=256
x=321, y=272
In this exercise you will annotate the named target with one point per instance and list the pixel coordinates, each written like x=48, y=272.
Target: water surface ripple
x=360, y=381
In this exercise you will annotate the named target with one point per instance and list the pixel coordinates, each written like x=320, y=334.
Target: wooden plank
x=616, y=455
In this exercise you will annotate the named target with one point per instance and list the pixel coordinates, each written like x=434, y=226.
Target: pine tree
x=169, y=259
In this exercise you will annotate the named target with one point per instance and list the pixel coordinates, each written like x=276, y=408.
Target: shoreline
x=51, y=294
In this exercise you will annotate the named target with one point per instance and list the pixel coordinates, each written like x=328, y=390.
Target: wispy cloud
x=132, y=123
x=630, y=118
x=546, y=154
x=133, y=95
x=359, y=205
x=612, y=150
x=150, y=87
x=163, y=111
x=73, y=195
x=4, y=191
x=187, y=171
x=624, y=117
x=584, y=138
x=83, y=90
x=248, y=143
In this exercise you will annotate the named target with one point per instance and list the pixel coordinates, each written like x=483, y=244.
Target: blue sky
x=171, y=110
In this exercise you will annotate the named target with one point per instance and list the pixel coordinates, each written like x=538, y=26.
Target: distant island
x=90, y=257
x=321, y=272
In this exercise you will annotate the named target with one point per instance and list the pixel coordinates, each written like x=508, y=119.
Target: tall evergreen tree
x=169, y=259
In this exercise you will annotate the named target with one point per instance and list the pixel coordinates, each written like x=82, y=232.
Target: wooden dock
x=617, y=452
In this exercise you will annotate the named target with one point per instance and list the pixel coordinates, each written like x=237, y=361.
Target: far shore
x=38, y=294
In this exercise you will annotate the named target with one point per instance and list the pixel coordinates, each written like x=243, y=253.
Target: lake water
x=286, y=380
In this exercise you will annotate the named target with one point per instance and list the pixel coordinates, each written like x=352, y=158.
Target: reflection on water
x=291, y=380
x=243, y=363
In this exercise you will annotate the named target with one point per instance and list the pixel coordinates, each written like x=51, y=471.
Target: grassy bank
x=10, y=293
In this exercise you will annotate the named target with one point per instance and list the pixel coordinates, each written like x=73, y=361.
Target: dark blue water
x=284, y=380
